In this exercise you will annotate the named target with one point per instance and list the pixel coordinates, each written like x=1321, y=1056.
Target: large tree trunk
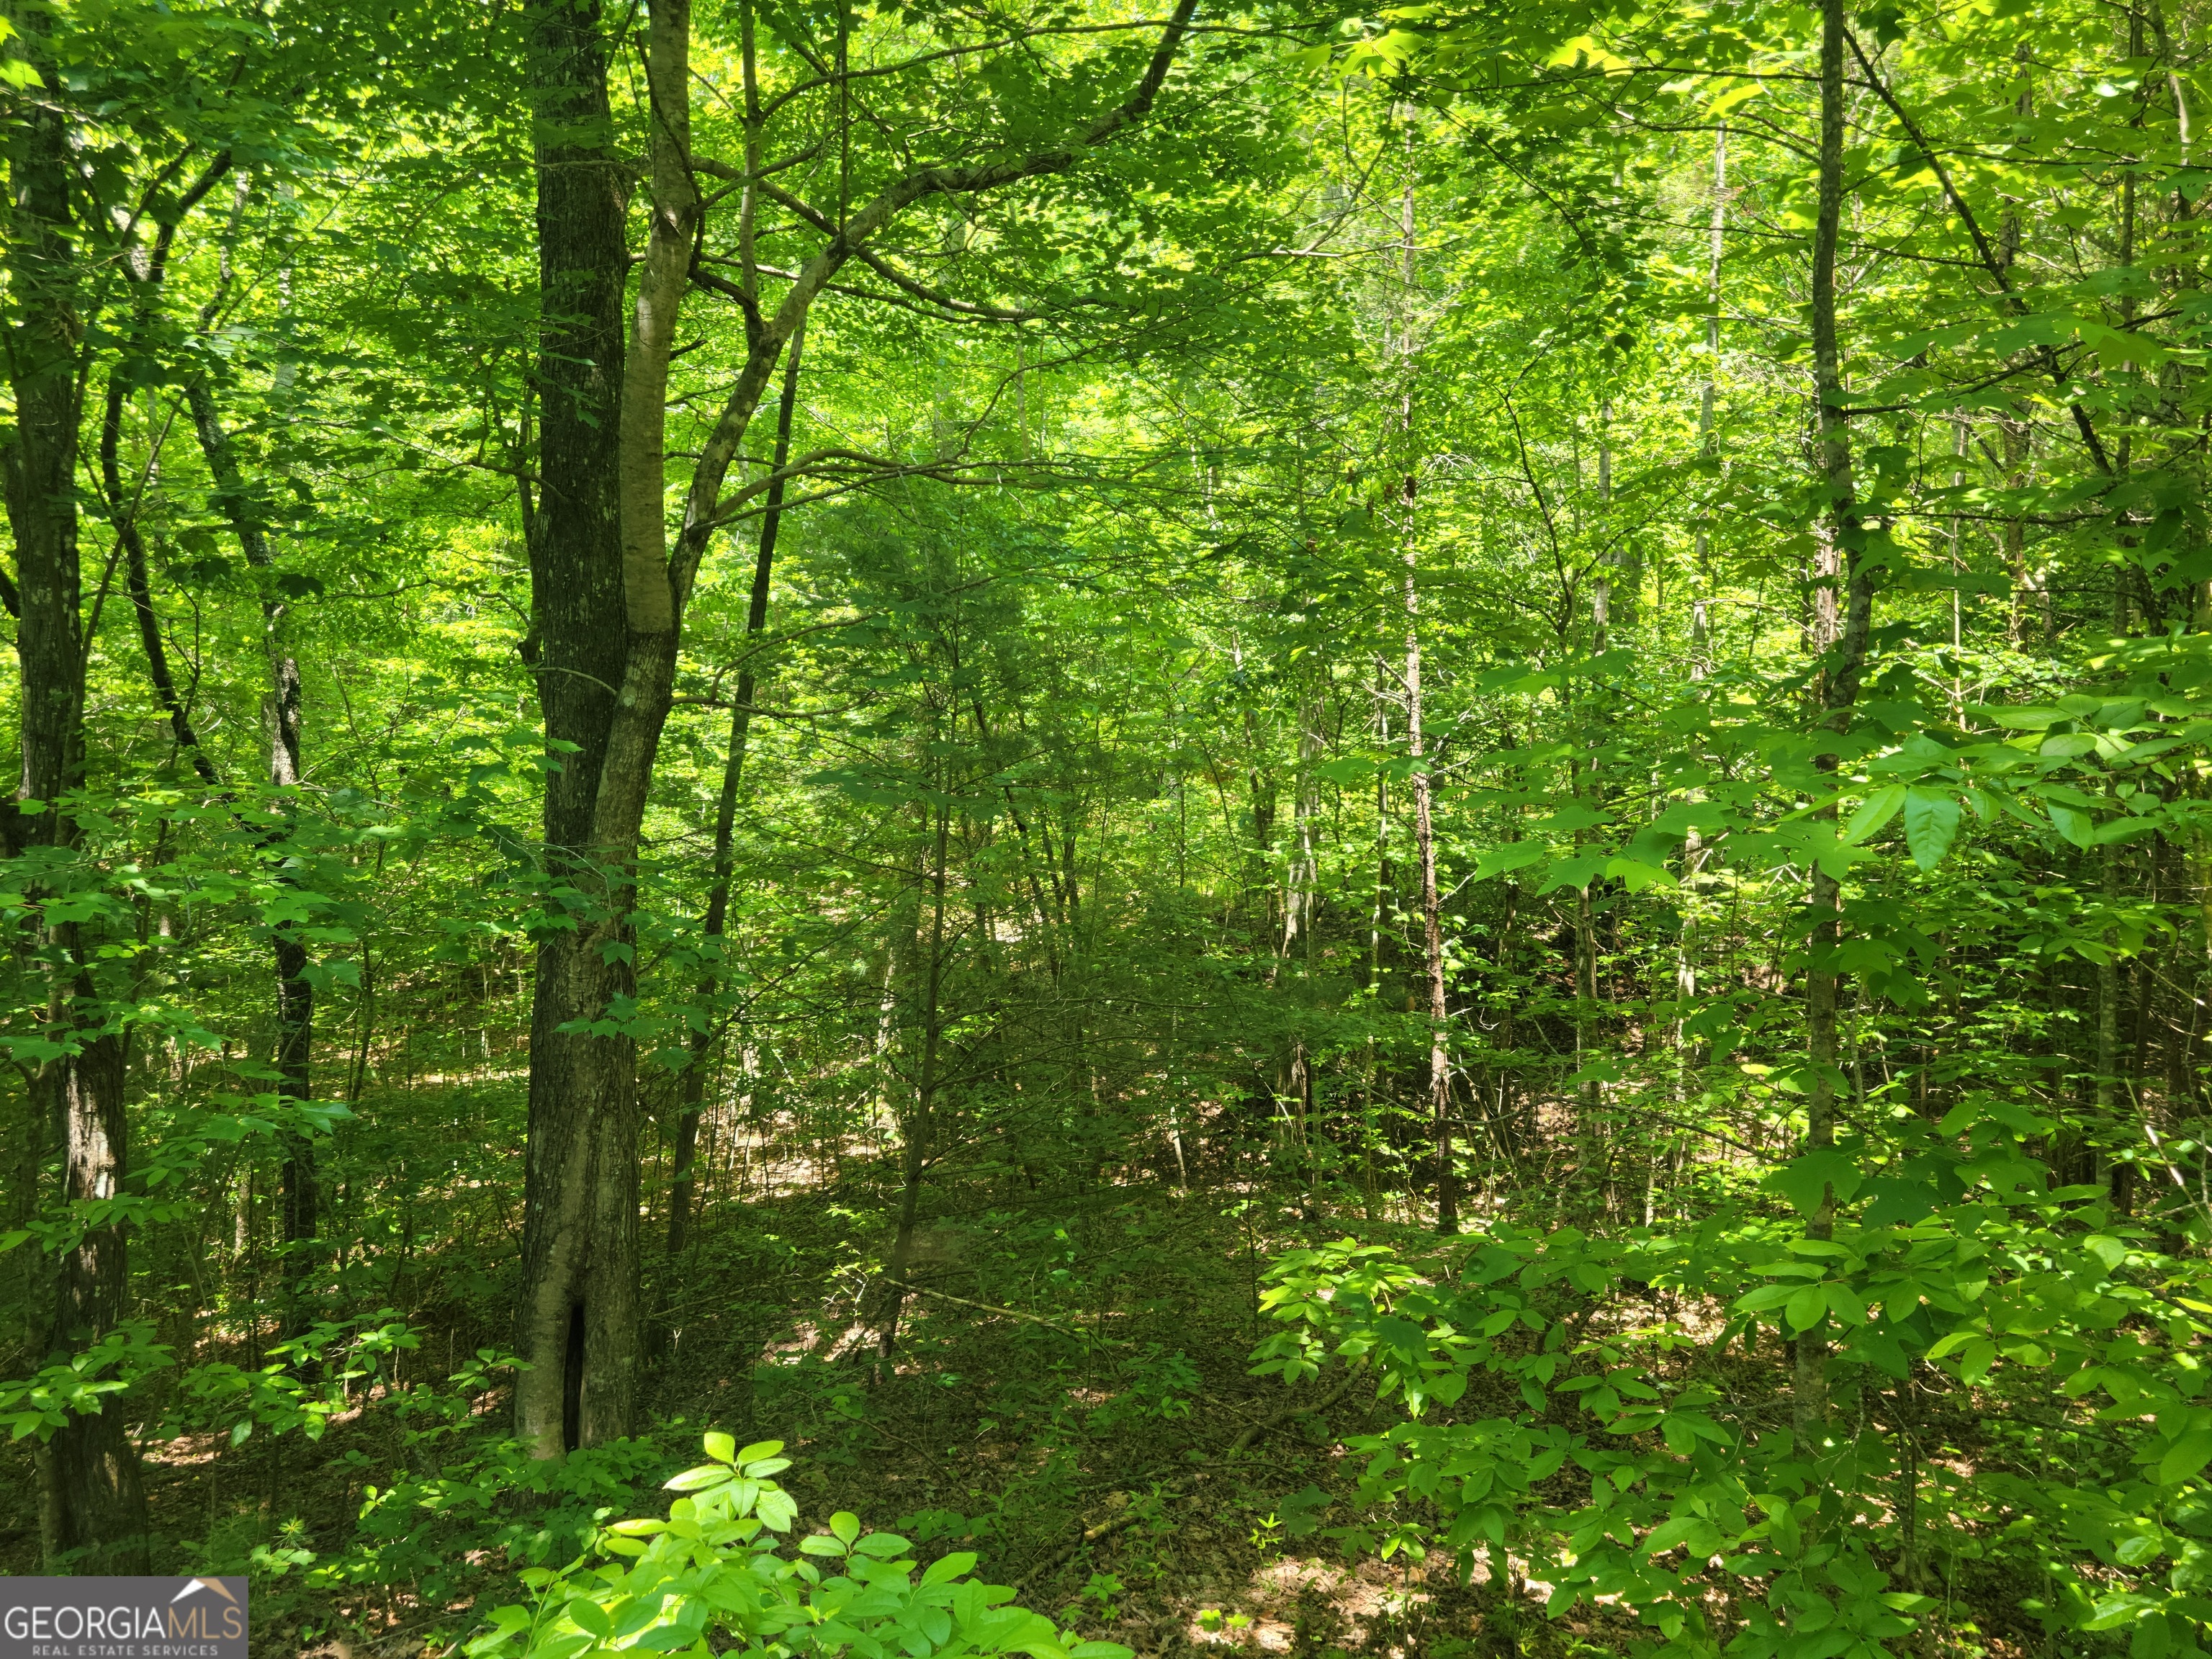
x=580, y=1327
x=90, y=1499
x=577, y=1315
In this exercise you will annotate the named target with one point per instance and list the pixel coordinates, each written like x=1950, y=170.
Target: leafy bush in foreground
x=714, y=1569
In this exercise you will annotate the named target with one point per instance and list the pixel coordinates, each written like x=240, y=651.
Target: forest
x=926, y=827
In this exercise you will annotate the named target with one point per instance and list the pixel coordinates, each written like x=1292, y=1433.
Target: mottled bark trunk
x=1302, y=881
x=94, y=1504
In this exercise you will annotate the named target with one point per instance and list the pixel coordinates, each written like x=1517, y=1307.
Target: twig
x=986, y=1307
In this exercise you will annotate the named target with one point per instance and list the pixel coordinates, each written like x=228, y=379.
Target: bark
x=1586, y=942
x=576, y=1318
x=92, y=1504
x=1841, y=624
x=1601, y=583
x=1425, y=840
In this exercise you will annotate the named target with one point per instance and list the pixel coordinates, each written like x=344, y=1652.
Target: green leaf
x=845, y=1526
x=1766, y=1296
x=1572, y=872
x=2184, y=1457
x=1805, y=1180
x=1518, y=855
x=1636, y=875
x=589, y=1616
x=2109, y=1252
x=1879, y=807
x=2077, y=826
x=1807, y=1308
x=1899, y=1202
x=947, y=1567
x=1932, y=822
x=722, y=1448
x=706, y=1474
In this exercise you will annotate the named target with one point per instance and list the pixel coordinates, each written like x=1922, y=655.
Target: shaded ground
x=1068, y=1398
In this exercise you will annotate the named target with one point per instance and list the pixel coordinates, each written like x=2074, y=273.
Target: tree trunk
x=579, y=1313
x=1302, y=881
x=725, y=814
x=91, y=1499
x=576, y=1311
x=283, y=715
x=123, y=514
x=917, y=1125
x=1840, y=637
x=2105, y=1084
x=1694, y=851
x=1425, y=853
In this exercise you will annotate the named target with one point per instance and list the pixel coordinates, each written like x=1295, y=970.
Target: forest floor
x=1069, y=1397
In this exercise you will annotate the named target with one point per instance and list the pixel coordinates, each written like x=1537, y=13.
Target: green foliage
x=711, y=1578
x=1621, y=1365
x=1075, y=849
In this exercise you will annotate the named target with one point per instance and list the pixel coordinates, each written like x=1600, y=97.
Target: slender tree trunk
x=1302, y=881
x=917, y=1125
x=123, y=514
x=1586, y=941
x=726, y=812
x=283, y=715
x=92, y=1507
x=1371, y=1128
x=1424, y=855
x=2105, y=1085
x=1693, y=848
x=1601, y=583
x=1840, y=628
x=1425, y=838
